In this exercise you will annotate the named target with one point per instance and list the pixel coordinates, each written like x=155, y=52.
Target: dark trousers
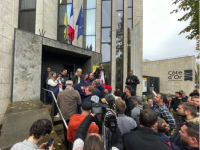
x=67, y=143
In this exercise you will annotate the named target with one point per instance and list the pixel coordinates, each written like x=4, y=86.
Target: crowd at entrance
x=162, y=122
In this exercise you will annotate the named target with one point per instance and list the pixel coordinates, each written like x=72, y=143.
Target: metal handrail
x=57, y=107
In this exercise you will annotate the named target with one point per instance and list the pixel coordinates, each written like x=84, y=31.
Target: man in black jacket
x=132, y=80
x=63, y=78
x=143, y=137
x=97, y=73
x=129, y=101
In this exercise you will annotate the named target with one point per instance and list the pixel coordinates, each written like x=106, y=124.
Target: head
x=195, y=100
x=52, y=75
x=162, y=126
x=183, y=95
x=196, y=91
x=89, y=90
x=98, y=81
x=130, y=93
x=107, y=89
x=120, y=106
x=186, y=109
x=150, y=102
x=130, y=73
x=48, y=69
x=40, y=128
x=94, y=83
x=189, y=99
x=169, y=98
x=79, y=72
x=159, y=99
x=86, y=77
x=129, y=88
x=86, y=108
x=148, y=119
x=82, y=77
x=189, y=134
x=69, y=83
x=137, y=100
x=91, y=76
x=118, y=92
x=64, y=72
x=93, y=142
x=147, y=106
x=101, y=65
x=178, y=94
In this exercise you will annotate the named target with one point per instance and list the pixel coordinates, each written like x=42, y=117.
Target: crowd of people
x=161, y=122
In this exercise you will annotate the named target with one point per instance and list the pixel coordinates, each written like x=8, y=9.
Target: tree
x=191, y=9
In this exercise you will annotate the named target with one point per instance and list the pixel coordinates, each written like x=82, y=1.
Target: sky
x=160, y=32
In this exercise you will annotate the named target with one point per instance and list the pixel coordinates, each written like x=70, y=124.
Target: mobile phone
x=49, y=144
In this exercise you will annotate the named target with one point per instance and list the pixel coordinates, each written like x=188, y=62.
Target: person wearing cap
x=135, y=112
x=108, y=90
x=68, y=100
x=77, y=119
x=90, y=95
x=77, y=78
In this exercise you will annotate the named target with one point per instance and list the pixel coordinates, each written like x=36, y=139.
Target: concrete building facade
x=110, y=28
x=175, y=74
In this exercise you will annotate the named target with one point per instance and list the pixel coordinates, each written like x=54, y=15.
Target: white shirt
x=78, y=79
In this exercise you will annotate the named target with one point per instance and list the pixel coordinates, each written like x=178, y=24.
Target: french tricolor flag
x=71, y=24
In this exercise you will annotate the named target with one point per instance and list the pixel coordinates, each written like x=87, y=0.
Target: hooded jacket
x=73, y=125
x=91, y=98
x=101, y=89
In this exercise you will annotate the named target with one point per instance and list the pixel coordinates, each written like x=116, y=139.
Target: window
x=106, y=13
x=89, y=24
x=61, y=13
x=27, y=15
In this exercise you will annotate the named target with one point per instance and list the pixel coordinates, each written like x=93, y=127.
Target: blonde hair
x=98, y=81
x=51, y=76
x=120, y=106
x=162, y=126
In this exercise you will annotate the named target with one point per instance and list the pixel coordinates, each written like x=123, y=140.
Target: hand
x=131, y=81
x=128, y=80
x=58, y=78
x=93, y=114
x=42, y=146
x=94, y=123
x=51, y=147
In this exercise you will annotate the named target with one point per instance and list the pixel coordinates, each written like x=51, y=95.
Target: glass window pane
x=69, y=1
x=62, y=13
x=106, y=13
x=106, y=34
x=27, y=21
x=27, y=4
x=89, y=42
x=89, y=4
x=120, y=4
x=90, y=21
x=119, y=20
x=105, y=50
x=130, y=3
x=130, y=24
x=130, y=12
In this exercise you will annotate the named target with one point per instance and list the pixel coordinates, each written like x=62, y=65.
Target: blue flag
x=79, y=22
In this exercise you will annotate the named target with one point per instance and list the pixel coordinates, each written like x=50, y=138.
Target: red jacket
x=73, y=125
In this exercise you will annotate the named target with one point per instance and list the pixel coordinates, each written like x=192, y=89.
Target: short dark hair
x=100, y=64
x=132, y=92
x=148, y=118
x=149, y=99
x=82, y=77
x=189, y=107
x=128, y=87
x=40, y=128
x=193, y=129
x=63, y=70
x=94, y=142
x=147, y=106
x=118, y=92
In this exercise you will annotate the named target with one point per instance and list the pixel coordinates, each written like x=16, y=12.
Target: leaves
x=191, y=9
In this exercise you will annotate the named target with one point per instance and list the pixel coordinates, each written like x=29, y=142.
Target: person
x=124, y=122
x=101, y=88
x=90, y=95
x=169, y=99
x=117, y=93
x=37, y=131
x=144, y=137
x=174, y=104
x=194, y=93
x=68, y=100
x=146, y=106
x=77, y=119
x=165, y=101
x=108, y=90
x=161, y=129
x=97, y=91
x=135, y=112
x=124, y=96
x=188, y=137
x=53, y=86
x=195, y=101
x=81, y=87
x=129, y=103
x=91, y=78
x=163, y=111
x=86, y=77
x=63, y=78
x=45, y=82
x=184, y=96
x=132, y=81
x=98, y=71
x=77, y=78
x=150, y=102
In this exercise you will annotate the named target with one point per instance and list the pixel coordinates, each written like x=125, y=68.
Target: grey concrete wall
x=46, y=17
x=161, y=68
x=8, y=21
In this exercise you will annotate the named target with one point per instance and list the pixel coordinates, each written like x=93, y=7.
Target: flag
x=65, y=24
x=60, y=86
x=79, y=22
x=102, y=79
x=71, y=24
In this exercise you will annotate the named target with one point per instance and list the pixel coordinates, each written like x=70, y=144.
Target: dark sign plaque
x=188, y=75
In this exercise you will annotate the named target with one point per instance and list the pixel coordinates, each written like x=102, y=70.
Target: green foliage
x=191, y=9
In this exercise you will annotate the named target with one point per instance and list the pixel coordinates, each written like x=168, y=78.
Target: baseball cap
x=87, y=106
x=108, y=87
x=138, y=99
